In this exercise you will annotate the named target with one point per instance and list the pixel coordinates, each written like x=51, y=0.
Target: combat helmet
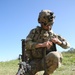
x=46, y=17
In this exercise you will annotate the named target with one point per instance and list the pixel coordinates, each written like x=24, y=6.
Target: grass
x=67, y=68
x=9, y=67
x=68, y=65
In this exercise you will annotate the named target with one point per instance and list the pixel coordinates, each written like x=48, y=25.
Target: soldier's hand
x=47, y=44
x=56, y=41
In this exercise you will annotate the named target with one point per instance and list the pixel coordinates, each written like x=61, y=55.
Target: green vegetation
x=9, y=67
x=67, y=68
x=68, y=65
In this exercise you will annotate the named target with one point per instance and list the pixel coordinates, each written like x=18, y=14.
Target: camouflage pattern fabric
x=53, y=61
x=53, y=58
x=46, y=17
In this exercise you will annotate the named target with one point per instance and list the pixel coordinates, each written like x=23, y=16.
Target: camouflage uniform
x=36, y=57
x=53, y=58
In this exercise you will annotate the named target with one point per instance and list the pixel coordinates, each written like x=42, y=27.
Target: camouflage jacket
x=39, y=35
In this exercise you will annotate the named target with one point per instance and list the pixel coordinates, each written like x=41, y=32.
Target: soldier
x=41, y=39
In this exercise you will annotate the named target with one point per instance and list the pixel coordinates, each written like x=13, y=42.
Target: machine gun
x=24, y=66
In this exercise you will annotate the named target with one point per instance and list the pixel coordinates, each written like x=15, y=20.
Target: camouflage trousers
x=52, y=62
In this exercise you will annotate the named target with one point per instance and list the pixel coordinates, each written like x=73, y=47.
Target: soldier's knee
x=53, y=61
x=57, y=57
x=54, y=57
x=56, y=54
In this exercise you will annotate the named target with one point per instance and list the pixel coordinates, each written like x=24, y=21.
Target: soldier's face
x=47, y=27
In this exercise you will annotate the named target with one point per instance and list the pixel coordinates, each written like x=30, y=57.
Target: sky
x=18, y=17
